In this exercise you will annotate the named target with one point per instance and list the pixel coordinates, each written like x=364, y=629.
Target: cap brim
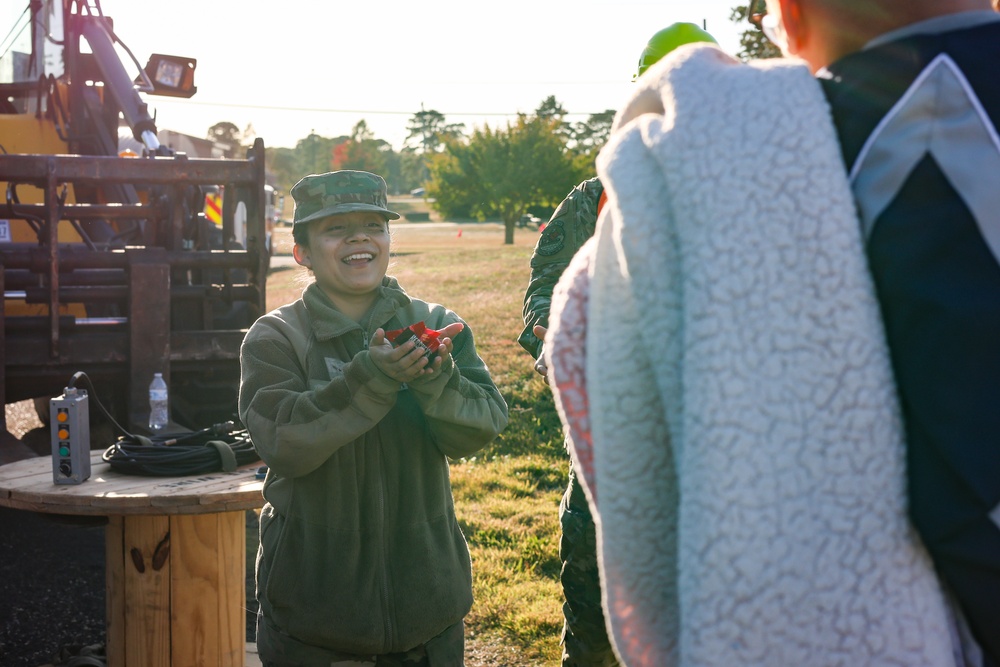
x=349, y=208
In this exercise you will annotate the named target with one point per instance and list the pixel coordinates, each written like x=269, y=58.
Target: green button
x=64, y=451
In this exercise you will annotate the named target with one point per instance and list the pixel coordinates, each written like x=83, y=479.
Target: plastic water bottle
x=159, y=412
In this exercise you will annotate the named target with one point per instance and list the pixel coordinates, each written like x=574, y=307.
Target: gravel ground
x=51, y=587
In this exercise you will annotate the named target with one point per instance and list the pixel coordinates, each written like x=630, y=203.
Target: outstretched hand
x=408, y=362
x=540, y=366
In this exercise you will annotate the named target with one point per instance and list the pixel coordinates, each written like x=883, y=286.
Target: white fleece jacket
x=747, y=464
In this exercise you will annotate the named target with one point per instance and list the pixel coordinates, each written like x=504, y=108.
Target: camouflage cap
x=322, y=195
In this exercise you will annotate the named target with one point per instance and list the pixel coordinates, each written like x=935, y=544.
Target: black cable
x=93, y=392
x=36, y=223
x=218, y=448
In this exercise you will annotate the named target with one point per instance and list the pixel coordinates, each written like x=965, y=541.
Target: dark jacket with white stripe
x=917, y=113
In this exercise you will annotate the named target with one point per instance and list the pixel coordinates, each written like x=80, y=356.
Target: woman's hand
x=408, y=362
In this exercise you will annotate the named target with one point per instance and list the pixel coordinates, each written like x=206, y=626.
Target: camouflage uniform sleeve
x=571, y=225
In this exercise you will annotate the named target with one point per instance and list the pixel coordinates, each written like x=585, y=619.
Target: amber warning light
x=70, y=419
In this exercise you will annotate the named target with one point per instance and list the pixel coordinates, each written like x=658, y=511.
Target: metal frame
x=38, y=357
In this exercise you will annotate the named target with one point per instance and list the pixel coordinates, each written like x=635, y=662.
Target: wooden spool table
x=175, y=556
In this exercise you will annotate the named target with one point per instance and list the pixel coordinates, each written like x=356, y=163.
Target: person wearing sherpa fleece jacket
x=731, y=407
x=361, y=555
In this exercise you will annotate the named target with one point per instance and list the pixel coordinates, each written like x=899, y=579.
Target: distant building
x=181, y=143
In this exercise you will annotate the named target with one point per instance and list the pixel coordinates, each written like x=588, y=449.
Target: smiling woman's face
x=349, y=255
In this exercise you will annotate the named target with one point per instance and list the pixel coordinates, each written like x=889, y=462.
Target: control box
x=69, y=421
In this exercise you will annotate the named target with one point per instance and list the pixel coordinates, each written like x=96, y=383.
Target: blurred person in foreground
x=361, y=558
x=732, y=404
x=916, y=110
x=584, y=638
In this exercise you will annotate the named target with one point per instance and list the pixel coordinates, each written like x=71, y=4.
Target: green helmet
x=667, y=40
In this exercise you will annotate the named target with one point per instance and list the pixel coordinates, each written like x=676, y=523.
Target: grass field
x=507, y=497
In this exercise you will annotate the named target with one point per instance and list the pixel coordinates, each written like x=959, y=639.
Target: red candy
x=426, y=339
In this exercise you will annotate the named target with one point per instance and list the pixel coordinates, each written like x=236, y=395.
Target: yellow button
x=62, y=416
x=63, y=434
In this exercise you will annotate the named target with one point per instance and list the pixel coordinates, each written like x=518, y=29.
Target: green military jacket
x=360, y=549
x=571, y=225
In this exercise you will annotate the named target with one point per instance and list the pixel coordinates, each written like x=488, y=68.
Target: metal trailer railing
x=156, y=307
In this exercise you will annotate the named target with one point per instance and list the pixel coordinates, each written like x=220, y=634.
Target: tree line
x=525, y=166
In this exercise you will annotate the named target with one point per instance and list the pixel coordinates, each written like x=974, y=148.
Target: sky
x=293, y=67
